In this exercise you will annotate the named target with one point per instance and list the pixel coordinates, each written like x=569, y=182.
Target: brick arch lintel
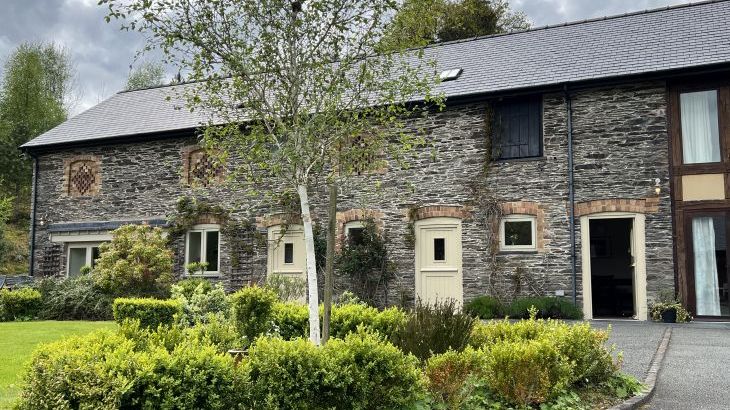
x=275, y=219
x=642, y=206
x=439, y=211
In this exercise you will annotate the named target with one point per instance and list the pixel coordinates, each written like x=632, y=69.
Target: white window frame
x=89, y=254
x=518, y=248
x=352, y=225
x=203, y=229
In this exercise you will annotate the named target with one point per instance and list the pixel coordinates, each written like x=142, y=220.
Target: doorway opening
x=612, y=267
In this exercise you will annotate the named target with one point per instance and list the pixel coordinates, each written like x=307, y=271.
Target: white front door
x=438, y=260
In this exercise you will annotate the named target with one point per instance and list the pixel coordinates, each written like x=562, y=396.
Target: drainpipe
x=571, y=192
x=33, y=206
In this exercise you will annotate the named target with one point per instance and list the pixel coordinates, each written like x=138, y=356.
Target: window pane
x=94, y=255
x=439, y=249
x=194, y=245
x=288, y=253
x=700, y=131
x=211, y=250
x=76, y=261
x=518, y=233
x=354, y=236
x=709, y=246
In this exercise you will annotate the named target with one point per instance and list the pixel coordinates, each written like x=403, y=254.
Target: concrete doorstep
x=651, y=376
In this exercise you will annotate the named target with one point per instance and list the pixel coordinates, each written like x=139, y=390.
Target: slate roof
x=674, y=38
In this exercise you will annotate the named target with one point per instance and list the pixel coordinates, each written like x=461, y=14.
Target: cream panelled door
x=438, y=260
x=286, y=254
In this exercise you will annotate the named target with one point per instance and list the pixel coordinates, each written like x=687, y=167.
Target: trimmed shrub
x=361, y=372
x=586, y=348
x=19, y=304
x=389, y=322
x=526, y=372
x=485, y=307
x=451, y=376
x=252, y=310
x=96, y=371
x=291, y=320
x=547, y=307
x=74, y=299
x=201, y=301
x=487, y=334
x=287, y=288
x=104, y=370
x=435, y=329
x=150, y=312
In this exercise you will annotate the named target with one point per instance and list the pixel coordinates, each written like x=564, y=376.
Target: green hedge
x=75, y=298
x=19, y=304
x=547, y=307
x=150, y=312
x=252, y=310
x=105, y=370
x=360, y=372
x=485, y=307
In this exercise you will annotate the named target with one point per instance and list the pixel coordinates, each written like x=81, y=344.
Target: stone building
x=589, y=160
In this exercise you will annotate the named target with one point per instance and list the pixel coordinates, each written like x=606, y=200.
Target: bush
x=287, y=288
x=434, y=329
x=586, y=348
x=104, y=370
x=136, y=262
x=547, y=307
x=451, y=377
x=361, y=372
x=291, y=320
x=200, y=300
x=526, y=372
x=19, y=304
x=252, y=310
x=150, y=312
x=485, y=307
x=74, y=299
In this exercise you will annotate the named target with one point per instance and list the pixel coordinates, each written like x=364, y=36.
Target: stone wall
x=620, y=147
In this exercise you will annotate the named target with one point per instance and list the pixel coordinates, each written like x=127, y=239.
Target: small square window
x=517, y=233
x=288, y=253
x=439, y=249
x=203, y=247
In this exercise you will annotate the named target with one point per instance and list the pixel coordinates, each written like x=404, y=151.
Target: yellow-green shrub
x=150, y=312
x=252, y=310
x=291, y=319
x=586, y=348
x=526, y=372
x=448, y=376
x=19, y=304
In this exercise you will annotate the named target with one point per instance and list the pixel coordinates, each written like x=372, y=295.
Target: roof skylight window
x=450, y=75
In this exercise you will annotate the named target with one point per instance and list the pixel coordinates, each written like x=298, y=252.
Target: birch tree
x=294, y=91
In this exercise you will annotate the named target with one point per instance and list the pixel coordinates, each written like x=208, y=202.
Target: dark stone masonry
x=620, y=148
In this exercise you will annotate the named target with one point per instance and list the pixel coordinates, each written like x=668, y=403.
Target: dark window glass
x=211, y=250
x=517, y=128
x=439, y=249
x=94, y=255
x=355, y=236
x=288, y=253
x=194, y=247
x=518, y=233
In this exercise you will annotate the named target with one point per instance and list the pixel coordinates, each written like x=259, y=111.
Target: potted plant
x=669, y=309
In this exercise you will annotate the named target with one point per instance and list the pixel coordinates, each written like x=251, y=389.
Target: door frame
x=440, y=222
x=639, y=240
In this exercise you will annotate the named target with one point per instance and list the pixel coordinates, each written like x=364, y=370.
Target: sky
x=103, y=54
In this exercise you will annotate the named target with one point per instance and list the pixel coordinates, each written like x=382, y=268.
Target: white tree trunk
x=311, y=265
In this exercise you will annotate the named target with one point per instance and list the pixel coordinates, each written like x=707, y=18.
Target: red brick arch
x=641, y=206
x=529, y=208
x=440, y=211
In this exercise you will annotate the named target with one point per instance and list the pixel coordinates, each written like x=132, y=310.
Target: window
x=80, y=255
x=439, y=249
x=517, y=233
x=82, y=176
x=354, y=233
x=700, y=128
x=288, y=253
x=203, y=246
x=517, y=128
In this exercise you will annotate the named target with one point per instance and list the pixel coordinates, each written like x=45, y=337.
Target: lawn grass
x=19, y=339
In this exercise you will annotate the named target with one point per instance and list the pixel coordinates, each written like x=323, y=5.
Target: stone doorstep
x=651, y=376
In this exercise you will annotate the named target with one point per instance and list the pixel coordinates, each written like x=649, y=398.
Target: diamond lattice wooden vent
x=82, y=179
x=203, y=169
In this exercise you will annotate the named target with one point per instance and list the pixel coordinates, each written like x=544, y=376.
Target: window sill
x=204, y=275
x=518, y=252
x=526, y=159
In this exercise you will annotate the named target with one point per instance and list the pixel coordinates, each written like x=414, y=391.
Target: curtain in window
x=706, y=284
x=700, y=134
